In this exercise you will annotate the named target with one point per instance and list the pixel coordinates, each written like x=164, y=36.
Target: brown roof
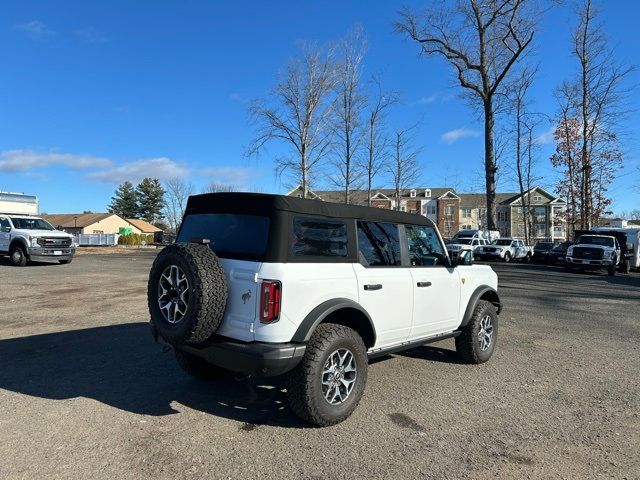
x=71, y=220
x=360, y=196
x=143, y=225
x=480, y=199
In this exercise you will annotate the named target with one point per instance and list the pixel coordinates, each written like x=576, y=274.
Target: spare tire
x=187, y=293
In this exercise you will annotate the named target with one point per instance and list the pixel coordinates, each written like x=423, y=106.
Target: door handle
x=373, y=286
x=424, y=284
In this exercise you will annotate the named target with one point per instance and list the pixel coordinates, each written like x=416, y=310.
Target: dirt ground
x=85, y=393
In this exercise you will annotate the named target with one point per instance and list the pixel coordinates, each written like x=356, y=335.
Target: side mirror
x=465, y=257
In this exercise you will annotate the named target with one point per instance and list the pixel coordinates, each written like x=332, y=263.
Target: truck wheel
x=478, y=339
x=187, y=293
x=507, y=257
x=199, y=368
x=612, y=268
x=18, y=256
x=327, y=385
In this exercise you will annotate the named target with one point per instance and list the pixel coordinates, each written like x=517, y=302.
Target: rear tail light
x=270, y=295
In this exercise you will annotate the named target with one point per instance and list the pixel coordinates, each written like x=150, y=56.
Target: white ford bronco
x=267, y=285
x=30, y=238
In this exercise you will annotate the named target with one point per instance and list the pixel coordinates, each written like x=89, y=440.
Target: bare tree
x=524, y=122
x=300, y=118
x=350, y=102
x=598, y=106
x=377, y=140
x=404, y=170
x=216, y=187
x=177, y=191
x=481, y=40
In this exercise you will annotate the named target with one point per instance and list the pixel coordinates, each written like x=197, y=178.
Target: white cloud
x=91, y=35
x=546, y=138
x=236, y=176
x=429, y=99
x=24, y=160
x=453, y=136
x=161, y=168
x=35, y=30
x=238, y=97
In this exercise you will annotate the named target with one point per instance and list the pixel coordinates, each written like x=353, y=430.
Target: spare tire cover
x=187, y=293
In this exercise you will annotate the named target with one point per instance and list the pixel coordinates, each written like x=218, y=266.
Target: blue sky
x=94, y=93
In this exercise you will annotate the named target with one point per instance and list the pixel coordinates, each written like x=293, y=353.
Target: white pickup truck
x=29, y=238
x=506, y=249
x=457, y=246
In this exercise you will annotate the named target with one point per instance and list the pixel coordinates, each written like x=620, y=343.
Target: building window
x=412, y=193
x=466, y=212
x=427, y=193
x=537, y=198
x=465, y=227
x=448, y=210
x=98, y=232
x=403, y=208
x=502, y=217
x=520, y=229
x=540, y=229
x=431, y=210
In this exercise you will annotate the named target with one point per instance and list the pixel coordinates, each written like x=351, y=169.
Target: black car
x=542, y=250
x=559, y=252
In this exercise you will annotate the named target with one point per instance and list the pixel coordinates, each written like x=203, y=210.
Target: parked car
x=27, y=238
x=457, y=246
x=542, y=251
x=559, y=253
x=506, y=249
x=594, y=252
x=270, y=285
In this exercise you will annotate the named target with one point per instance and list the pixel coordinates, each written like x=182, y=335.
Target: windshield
x=544, y=246
x=589, y=240
x=561, y=248
x=464, y=241
x=229, y=235
x=31, y=223
x=501, y=241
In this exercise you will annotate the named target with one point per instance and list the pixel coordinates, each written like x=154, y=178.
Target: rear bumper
x=250, y=358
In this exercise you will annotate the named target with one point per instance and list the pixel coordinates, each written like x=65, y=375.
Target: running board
x=411, y=344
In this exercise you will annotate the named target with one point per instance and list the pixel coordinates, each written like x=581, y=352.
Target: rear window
x=244, y=235
x=318, y=237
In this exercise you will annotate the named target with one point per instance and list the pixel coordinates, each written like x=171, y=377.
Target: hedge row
x=135, y=239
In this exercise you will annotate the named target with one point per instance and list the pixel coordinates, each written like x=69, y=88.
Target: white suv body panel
x=400, y=311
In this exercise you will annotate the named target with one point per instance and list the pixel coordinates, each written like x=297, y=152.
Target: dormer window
x=537, y=198
x=427, y=193
x=412, y=193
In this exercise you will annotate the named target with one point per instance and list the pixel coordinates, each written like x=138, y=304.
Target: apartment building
x=439, y=204
x=548, y=221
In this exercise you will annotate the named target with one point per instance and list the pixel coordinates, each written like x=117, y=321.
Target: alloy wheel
x=173, y=294
x=339, y=376
x=485, y=335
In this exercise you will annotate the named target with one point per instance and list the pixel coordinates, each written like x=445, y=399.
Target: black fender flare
x=322, y=311
x=475, y=297
x=23, y=243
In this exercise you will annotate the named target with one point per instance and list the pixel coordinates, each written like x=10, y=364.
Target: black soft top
x=267, y=205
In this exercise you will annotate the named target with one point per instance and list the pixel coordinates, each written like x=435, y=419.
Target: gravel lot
x=85, y=393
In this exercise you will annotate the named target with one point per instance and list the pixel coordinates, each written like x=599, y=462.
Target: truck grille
x=587, y=253
x=54, y=242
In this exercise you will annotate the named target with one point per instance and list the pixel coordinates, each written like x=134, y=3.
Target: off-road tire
x=207, y=293
x=66, y=262
x=304, y=385
x=467, y=344
x=18, y=256
x=507, y=257
x=199, y=368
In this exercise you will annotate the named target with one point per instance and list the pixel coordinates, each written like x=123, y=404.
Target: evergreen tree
x=124, y=202
x=151, y=202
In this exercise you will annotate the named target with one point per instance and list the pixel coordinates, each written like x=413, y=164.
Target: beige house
x=143, y=227
x=88, y=223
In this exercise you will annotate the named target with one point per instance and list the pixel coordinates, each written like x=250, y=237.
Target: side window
x=378, y=244
x=4, y=224
x=319, y=237
x=425, y=248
